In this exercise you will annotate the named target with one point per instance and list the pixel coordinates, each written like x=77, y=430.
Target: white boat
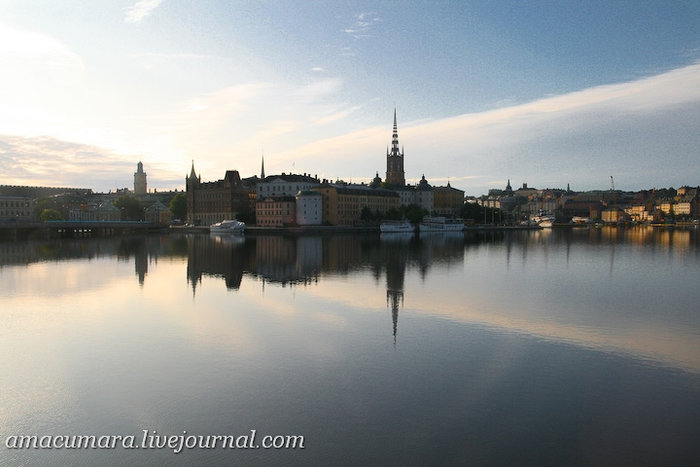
x=542, y=219
x=580, y=220
x=440, y=224
x=396, y=227
x=228, y=226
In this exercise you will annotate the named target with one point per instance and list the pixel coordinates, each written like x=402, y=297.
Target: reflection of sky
x=84, y=345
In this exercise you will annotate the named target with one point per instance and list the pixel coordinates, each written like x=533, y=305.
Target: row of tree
x=131, y=208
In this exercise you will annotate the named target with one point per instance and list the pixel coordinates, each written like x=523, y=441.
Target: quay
x=58, y=229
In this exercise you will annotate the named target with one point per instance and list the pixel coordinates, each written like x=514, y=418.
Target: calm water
x=570, y=347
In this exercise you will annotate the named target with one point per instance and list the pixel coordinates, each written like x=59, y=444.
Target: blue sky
x=543, y=93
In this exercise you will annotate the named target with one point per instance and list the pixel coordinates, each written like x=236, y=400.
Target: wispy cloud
x=645, y=131
x=139, y=10
x=363, y=25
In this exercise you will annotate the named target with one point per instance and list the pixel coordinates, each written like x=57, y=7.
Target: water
x=564, y=347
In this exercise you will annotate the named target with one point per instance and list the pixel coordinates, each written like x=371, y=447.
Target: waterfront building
x=639, y=213
x=395, y=175
x=275, y=212
x=277, y=186
x=421, y=195
x=17, y=208
x=140, y=185
x=309, y=208
x=343, y=203
x=95, y=211
x=211, y=202
x=448, y=201
x=158, y=213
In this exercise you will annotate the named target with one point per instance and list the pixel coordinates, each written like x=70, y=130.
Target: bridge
x=18, y=230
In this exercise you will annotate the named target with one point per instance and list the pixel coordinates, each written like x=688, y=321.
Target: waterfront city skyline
x=547, y=94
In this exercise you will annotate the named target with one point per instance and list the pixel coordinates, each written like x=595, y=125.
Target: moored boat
x=440, y=224
x=403, y=226
x=228, y=226
x=542, y=219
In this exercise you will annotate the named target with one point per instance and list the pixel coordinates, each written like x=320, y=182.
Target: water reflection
x=586, y=286
x=484, y=347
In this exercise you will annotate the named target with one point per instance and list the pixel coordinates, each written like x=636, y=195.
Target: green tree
x=414, y=213
x=178, y=206
x=50, y=215
x=53, y=204
x=130, y=208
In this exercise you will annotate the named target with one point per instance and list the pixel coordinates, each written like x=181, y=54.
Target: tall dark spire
x=394, y=159
x=262, y=168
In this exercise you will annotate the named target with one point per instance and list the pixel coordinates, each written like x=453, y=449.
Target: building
x=17, y=208
x=211, y=202
x=343, y=203
x=309, y=208
x=394, y=160
x=140, y=186
x=95, y=211
x=421, y=195
x=448, y=201
x=158, y=213
x=275, y=212
x=277, y=186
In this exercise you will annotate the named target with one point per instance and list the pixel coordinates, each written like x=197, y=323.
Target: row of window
x=4, y=203
x=14, y=213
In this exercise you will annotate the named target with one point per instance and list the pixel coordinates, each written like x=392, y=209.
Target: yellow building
x=343, y=203
x=447, y=201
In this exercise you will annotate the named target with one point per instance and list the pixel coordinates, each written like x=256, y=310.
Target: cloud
x=362, y=26
x=35, y=61
x=46, y=161
x=139, y=10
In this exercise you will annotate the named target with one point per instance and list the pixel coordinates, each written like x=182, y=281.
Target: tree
x=414, y=213
x=130, y=208
x=50, y=215
x=178, y=206
x=52, y=204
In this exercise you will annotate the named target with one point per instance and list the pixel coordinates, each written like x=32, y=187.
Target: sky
x=547, y=93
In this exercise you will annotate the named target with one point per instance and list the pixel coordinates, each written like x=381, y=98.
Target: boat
x=542, y=219
x=580, y=220
x=403, y=226
x=440, y=224
x=228, y=226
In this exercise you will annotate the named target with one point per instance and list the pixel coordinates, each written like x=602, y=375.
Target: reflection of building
x=211, y=202
x=343, y=203
x=288, y=260
x=140, y=187
x=221, y=256
x=395, y=263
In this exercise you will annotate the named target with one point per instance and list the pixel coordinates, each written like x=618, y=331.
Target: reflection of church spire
x=395, y=271
x=393, y=297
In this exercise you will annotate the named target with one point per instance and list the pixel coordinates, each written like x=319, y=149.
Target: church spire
x=395, y=138
x=394, y=159
x=262, y=168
